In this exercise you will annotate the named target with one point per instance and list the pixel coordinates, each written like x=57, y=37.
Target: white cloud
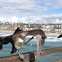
x=13, y=19
x=20, y=7
x=32, y=10
x=27, y=7
x=43, y=19
x=57, y=21
x=2, y=19
x=53, y=4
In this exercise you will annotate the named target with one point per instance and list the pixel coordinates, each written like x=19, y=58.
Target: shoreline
x=47, y=34
x=53, y=34
x=6, y=31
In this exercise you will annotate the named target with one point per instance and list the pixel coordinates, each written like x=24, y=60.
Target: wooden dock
x=30, y=56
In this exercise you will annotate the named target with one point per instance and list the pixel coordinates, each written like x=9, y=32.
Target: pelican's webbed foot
x=21, y=56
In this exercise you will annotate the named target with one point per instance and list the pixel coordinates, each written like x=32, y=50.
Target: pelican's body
x=19, y=37
x=19, y=43
x=18, y=40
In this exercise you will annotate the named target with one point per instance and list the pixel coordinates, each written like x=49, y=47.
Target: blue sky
x=31, y=11
x=54, y=11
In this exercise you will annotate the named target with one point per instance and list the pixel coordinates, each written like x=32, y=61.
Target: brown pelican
x=18, y=40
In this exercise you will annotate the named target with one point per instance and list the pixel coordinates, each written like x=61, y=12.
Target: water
x=50, y=42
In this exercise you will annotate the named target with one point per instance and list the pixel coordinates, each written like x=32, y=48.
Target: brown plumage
x=18, y=40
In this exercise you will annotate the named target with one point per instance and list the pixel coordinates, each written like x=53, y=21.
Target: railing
x=30, y=56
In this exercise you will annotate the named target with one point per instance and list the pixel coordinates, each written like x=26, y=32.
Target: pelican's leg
x=38, y=46
x=21, y=56
x=41, y=44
